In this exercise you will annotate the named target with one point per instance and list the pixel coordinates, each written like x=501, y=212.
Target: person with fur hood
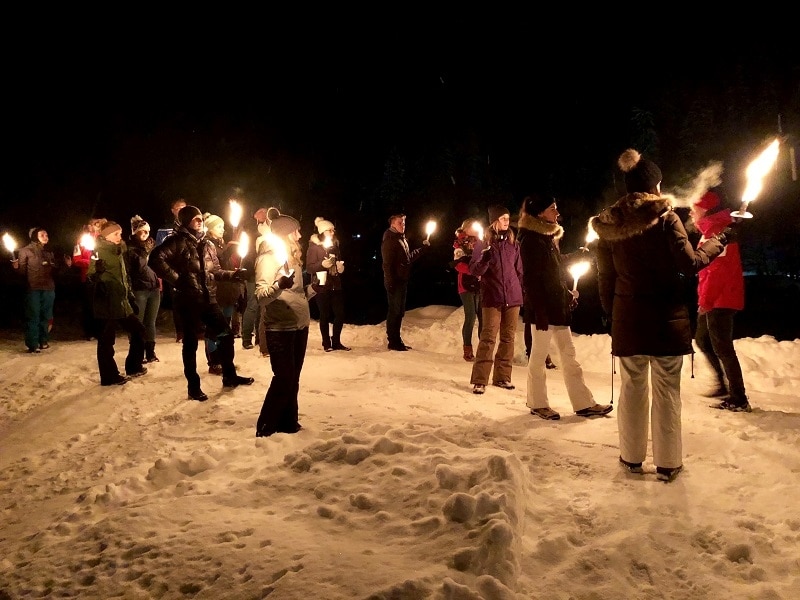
x=643, y=255
x=323, y=261
x=550, y=303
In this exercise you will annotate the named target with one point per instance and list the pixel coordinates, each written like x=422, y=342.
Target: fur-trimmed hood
x=540, y=226
x=631, y=215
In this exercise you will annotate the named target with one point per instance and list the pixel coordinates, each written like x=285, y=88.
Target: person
x=187, y=261
x=467, y=284
x=114, y=305
x=167, y=292
x=252, y=323
x=81, y=257
x=39, y=266
x=397, y=258
x=720, y=294
x=496, y=260
x=643, y=252
x=228, y=291
x=550, y=303
x=281, y=293
x=145, y=284
x=323, y=261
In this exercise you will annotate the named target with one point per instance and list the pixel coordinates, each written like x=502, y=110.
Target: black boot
x=150, y=352
x=236, y=380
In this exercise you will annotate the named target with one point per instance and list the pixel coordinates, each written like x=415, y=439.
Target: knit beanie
x=187, y=213
x=537, y=203
x=641, y=174
x=496, y=211
x=33, y=233
x=283, y=225
x=212, y=221
x=109, y=227
x=323, y=225
x=708, y=201
x=138, y=224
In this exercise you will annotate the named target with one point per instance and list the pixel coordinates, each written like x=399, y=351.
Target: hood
x=540, y=226
x=632, y=215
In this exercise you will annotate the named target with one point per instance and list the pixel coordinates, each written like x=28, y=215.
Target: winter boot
x=468, y=355
x=150, y=352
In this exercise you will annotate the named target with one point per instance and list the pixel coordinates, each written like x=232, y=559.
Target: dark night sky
x=117, y=129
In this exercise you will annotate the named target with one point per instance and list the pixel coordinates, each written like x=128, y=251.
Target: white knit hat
x=138, y=224
x=323, y=225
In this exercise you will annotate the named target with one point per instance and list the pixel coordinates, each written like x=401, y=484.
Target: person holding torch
x=643, y=255
x=551, y=303
x=81, y=258
x=285, y=311
x=323, y=261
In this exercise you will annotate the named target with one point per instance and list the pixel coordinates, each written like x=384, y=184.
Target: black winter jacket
x=189, y=265
x=142, y=277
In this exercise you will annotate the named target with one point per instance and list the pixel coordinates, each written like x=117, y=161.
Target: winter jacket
x=112, y=291
x=500, y=270
x=547, y=298
x=721, y=284
x=228, y=290
x=142, y=277
x=190, y=265
x=37, y=265
x=643, y=259
x=462, y=253
x=283, y=310
x=81, y=257
x=397, y=258
x=314, y=256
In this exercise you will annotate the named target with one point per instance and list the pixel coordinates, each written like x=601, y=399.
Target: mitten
x=426, y=242
x=486, y=254
x=134, y=304
x=327, y=262
x=340, y=266
x=286, y=281
x=728, y=235
x=100, y=266
x=240, y=274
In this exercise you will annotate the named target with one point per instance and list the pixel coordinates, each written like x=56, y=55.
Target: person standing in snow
x=643, y=252
x=720, y=294
x=145, y=283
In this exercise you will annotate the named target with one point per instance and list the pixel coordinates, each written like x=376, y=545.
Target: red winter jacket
x=720, y=284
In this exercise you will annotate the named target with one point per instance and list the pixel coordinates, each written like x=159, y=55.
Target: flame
x=235, y=213
x=244, y=244
x=478, y=229
x=278, y=247
x=327, y=243
x=758, y=169
x=9, y=243
x=87, y=242
x=591, y=234
x=577, y=270
x=430, y=227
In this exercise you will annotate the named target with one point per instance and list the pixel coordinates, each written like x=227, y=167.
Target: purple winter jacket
x=501, y=274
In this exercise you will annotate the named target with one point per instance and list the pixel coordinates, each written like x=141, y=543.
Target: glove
x=100, y=266
x=728, y=235
x=340, y=266
x=240, y=274
x=426, y=242
x=286, y=281
x=327, y=263
x=486, y=254
x=134, y=305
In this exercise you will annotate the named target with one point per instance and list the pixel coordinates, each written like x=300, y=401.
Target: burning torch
x=10, y=245
x=756, y=171
x=577, y=270
x=430, y=227
x=234, y=213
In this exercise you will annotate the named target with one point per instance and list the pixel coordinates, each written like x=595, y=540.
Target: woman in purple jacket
x=496, y=260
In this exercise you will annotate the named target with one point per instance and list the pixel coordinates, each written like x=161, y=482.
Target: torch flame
x=430, y=227
x=591, y=234
x=235, y=213
x=327, y=243
x=278, y=247
x=9, y=243
x=244, y=244
x=87, y=242
x=478, y=229
x=577, y=270
x=758, y=169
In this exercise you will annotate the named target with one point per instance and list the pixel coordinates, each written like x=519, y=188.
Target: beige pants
x=634, y=414
x=579, y=395
x=504, y=322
